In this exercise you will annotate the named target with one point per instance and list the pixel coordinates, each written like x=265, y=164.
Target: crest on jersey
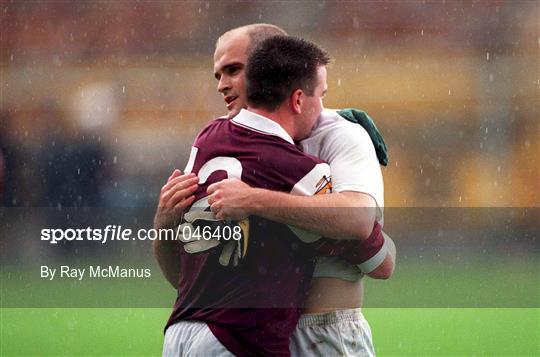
x=324, y=186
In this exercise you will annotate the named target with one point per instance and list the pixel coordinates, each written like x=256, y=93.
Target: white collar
x=261, y=124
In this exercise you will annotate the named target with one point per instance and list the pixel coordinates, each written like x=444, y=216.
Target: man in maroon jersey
x=253, y=308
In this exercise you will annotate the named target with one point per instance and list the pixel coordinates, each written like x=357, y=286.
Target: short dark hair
x=280, y=65
x=259, y=32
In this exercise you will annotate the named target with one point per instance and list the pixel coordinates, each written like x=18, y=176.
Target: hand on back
x=175, y=196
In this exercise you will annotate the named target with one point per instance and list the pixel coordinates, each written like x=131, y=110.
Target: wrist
x=256, y=201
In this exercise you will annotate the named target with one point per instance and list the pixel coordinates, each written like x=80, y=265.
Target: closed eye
x=233, y=69
x=230, y=70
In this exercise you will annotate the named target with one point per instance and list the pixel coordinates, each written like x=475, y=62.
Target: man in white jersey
x=336, y=292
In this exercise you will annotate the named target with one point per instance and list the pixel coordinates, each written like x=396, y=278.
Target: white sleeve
x=316, y=182
x=353, y=162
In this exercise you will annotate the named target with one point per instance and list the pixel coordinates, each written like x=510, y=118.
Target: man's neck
x=279, y=117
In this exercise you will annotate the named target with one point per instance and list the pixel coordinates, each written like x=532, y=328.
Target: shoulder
x=212, y=128
x=279, y=153
x=334, y=135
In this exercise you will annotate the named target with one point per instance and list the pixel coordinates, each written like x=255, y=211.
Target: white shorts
x=192, y=338
x=337, y=333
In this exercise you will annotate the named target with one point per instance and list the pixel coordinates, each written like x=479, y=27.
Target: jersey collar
x=261, y=124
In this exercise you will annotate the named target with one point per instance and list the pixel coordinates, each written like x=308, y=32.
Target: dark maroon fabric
x=252, y=309
x=353, y=251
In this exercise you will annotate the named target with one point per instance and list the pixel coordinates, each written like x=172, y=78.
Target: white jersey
x=349, y=151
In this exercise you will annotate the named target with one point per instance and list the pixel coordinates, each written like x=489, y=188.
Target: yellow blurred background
x=453, y=86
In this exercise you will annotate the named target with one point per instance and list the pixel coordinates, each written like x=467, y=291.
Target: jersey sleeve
x=367, y=254
x=317, y=182
x=353, y=162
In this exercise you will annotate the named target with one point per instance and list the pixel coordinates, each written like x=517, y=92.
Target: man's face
x=229, y=63
x=312, y=106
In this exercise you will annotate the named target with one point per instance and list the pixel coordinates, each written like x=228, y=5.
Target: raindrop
x=356, y=22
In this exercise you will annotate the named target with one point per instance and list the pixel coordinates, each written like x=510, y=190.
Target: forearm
x=346, y=215
x=168, y=258
x=386, y=269
x=175, y=197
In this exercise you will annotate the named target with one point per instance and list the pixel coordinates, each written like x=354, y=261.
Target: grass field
x=426, y=309
x=397, y=331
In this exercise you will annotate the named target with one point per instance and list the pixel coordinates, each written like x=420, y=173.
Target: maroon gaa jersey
x=253, y=308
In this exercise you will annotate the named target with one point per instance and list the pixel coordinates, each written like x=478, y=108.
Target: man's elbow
x=156, y=249
x=365, y=223
x=363, y=230
x=385, y=270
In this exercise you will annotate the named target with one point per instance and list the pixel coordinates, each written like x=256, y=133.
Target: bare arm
x=168, y=258
x=176, y=195
x=351, y=214
x=386, y=269
x=344, y=215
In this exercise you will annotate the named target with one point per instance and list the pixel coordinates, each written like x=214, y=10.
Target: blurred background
x=100, y=101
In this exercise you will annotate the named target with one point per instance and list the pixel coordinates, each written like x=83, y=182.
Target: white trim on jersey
x=310, y=184
x=191, y=161
x=261, y=124
x=372, y=263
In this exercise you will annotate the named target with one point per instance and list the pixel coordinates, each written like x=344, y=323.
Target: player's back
x=252, y=307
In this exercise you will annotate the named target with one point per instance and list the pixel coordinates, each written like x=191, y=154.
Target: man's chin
x=233, y=112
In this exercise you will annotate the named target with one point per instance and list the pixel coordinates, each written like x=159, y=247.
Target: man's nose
x=223, y=85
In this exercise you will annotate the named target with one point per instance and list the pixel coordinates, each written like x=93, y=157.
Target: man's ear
x=296, y=101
